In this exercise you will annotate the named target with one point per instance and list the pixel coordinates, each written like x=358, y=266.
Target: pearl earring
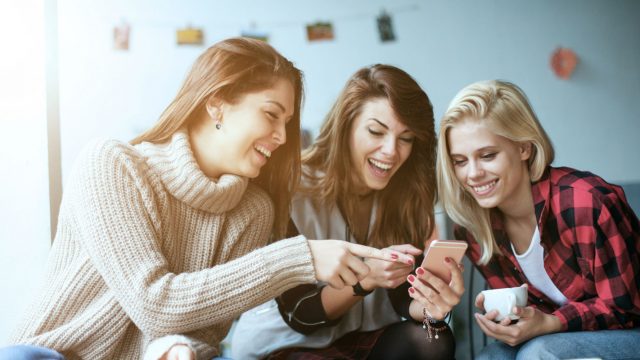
x=218, y=126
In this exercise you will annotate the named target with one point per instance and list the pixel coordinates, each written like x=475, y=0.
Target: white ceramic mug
x=504, y=300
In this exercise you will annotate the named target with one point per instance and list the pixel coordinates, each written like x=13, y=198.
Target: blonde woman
x=155, y=251
x=568, y=234
x=369, y=178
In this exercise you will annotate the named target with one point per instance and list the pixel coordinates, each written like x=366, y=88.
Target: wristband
x=359, y=291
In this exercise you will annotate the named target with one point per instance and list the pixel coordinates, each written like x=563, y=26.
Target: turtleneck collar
x=174, y=162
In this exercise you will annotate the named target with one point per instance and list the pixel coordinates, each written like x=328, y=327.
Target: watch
x=359, y=291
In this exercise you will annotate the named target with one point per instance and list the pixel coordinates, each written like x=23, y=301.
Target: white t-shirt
x=532, y=263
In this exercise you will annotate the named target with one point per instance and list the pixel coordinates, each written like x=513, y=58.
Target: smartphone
x=437, y=251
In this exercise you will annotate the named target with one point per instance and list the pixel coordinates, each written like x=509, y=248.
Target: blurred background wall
x=95, y=90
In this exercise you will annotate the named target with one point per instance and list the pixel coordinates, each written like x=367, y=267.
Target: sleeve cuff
x=563, y=319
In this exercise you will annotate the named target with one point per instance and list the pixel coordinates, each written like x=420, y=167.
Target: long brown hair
x=226, y=71
x=505, y=109
x=405, y=211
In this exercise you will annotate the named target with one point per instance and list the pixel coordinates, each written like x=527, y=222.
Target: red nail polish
x=410, y=262
x=411, y=278
x=394, y=256
x=412, y=290
x=447, y=259
x=420, y=271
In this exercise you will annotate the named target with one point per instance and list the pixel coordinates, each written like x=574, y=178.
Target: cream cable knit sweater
x=148, y=246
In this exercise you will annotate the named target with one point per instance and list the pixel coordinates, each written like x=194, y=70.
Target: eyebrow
x=386, y=127
x=484, y=148
x=277, y=104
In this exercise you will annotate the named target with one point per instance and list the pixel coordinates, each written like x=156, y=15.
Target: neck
x=519, y=207
x=198, y=139
x=358, y=215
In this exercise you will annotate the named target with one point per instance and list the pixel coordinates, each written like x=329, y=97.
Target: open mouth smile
x=380, y=165
x=485, y=188
x=262, y=150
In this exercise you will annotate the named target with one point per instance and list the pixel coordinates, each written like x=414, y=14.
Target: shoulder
x=108, y=153
x=582, y=199
x=108, y=163
x=585, y=188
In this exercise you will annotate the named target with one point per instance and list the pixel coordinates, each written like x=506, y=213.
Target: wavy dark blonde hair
x=406, y=204
x=226, y=71
x=504, y=108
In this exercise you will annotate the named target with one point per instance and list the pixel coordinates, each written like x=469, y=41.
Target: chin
x=250, y=173
x=253, y=174
x=377, y=185
x=488, y=203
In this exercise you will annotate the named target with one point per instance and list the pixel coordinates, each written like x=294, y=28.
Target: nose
x=475, y=170
x=280, y=133
x=389, y=146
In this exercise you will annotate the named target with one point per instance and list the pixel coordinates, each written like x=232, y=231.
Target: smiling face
x=492, y=168
x=251, y=129
x=379, y=145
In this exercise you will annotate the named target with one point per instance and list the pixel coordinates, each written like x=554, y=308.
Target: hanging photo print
x=121, y=36
x=189, y=36
x=385, y=27
x=320, y=31
x=253, y=33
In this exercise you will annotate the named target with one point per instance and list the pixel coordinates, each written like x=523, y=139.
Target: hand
x=385, y=274
x=436, y=296
x=532, y=323
x=338, y=262
x=179, y=352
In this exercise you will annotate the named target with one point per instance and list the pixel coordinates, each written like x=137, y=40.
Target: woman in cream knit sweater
x=166, y=235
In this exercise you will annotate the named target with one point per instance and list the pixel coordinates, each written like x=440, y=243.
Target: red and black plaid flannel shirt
x=591, y=241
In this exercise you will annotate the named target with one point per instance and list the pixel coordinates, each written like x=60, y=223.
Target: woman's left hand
x=532, y=323
x=436, y=296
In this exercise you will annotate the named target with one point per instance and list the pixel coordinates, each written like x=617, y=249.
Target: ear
x=525, y=150
x=214, y=109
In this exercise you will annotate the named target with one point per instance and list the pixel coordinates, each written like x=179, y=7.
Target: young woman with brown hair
x=370, y=179
x=158, y=237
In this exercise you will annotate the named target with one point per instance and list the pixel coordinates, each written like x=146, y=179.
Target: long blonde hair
x=504, y=108
x=405, y=211
x=226, y=71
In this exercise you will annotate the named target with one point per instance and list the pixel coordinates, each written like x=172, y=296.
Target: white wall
x=24, y=190
x=443, y=44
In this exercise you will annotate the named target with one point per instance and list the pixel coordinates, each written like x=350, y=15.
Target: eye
x=374, y=133
x=407, y=140
x=458, y=162
x=271, y=115
x=488, y=156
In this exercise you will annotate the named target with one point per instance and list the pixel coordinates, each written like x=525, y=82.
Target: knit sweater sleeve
x=116, y=212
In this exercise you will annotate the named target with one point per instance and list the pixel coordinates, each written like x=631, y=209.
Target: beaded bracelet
x=428, y=323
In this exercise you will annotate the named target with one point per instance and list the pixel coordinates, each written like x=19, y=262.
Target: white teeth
x=264, y=151
x=380, y=165
x=484, y=188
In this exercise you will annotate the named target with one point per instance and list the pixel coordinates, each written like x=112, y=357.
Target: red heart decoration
x=563, y=62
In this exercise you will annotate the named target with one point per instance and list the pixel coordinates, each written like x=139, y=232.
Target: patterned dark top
x=591, y=241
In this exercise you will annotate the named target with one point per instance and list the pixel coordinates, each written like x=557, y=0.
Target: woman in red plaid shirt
x=570, y=236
